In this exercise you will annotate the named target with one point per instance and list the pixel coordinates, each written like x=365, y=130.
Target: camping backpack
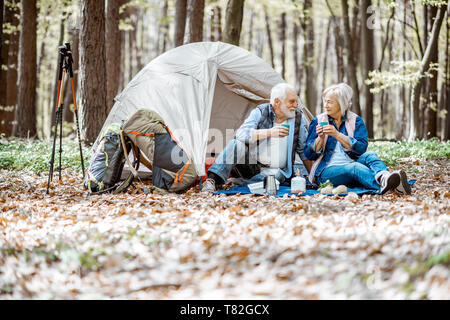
x=107, y=163
x=159, y=151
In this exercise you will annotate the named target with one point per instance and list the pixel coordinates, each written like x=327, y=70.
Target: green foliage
x=34, y=155
x=436, y=3
x=423, y=267
x=403, y=73
x=325, y=184
x=89, y=260
x=392, y=152
x=438, y=259
x=50, y=256
x=136, y=3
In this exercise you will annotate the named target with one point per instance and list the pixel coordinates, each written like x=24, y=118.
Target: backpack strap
x=133, y=167
x=298, y=121
x=122, y=138
x=350, y=124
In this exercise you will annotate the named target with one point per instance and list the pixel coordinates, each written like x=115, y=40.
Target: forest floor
x=198, y=246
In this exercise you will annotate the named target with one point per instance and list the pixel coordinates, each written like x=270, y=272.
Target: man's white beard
x=288, y=113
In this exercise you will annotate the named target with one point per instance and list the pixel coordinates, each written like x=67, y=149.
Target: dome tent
x=197, y=87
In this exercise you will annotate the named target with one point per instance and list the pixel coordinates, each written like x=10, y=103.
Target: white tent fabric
x=197, y=87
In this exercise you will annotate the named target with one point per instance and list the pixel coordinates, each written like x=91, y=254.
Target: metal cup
x=270, y=185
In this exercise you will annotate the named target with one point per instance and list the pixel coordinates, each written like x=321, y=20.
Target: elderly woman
x=337, y=142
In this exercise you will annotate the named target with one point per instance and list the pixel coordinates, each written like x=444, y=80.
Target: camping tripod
x=65, y=66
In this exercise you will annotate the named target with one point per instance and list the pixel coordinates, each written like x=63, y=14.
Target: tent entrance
x=229, y=110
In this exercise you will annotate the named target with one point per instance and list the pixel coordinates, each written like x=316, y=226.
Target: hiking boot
x=388, y=181
x=209, y=185
x=403, y=187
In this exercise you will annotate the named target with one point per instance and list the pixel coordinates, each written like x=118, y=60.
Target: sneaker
x=403, y=187
x=389, y=181
x=209, y=185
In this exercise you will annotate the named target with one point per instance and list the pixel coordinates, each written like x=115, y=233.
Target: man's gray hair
x=279, y=91
x=343, y=93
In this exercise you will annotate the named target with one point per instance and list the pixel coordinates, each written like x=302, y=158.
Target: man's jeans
x=237, y=154
x=361, y=172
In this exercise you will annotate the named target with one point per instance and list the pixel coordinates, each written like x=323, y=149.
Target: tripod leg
x=57, y=114
x=52, y=159
x=60, y=110
x=60, y=137
x=78, y=126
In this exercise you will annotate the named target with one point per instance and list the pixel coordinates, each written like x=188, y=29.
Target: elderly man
x=266, y=143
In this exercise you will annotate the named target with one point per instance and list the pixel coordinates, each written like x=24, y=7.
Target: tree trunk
x=40, y=98
x=92, y=68
x=424, y=93
x=55, y=81
x=356, y=28
x=260, y=39
x=269, y=38
x=283, y=44
x=180, y=21
x=295, y=49
x=121, y=67
x=2, y=5
x=233, y=21
x=3, y=73
x=308, y=56
x=425, y=63
x=368, y=50
x=164, y=26
x=400, y=114
x=351, y=66
x=250, y=31
x=26, y=102
x=195, y=21
x=13, y=62
x=212, y=26
x=339, y=51
x=143, y=43
x=218, y=23
x=112, y=51
x=325, y=62
x=446, y=105
x=8, y=76
x=132, y=38
x=431, y=107
x=338, y=41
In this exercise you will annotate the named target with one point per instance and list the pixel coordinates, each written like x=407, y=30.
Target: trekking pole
x=61, y=113
x=57, y=113
x=70, y=70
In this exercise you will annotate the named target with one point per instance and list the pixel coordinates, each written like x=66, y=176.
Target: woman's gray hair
x=343, y=93
x=279, y=91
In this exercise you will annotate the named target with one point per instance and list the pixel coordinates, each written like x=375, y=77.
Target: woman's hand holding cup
x=319, y=129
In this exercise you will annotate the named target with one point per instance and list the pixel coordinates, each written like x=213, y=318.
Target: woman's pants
x=361, y=172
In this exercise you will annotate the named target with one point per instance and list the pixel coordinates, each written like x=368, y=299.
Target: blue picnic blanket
x=287, y=190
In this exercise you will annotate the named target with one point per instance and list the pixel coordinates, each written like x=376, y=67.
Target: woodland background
x=394, y=54
x=67, y=245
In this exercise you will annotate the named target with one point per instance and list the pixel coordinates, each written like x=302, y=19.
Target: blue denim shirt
x=358, y=143
x=245, y=132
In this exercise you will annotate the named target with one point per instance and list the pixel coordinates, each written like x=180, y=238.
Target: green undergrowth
x=34, y=155
x=393, y=152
